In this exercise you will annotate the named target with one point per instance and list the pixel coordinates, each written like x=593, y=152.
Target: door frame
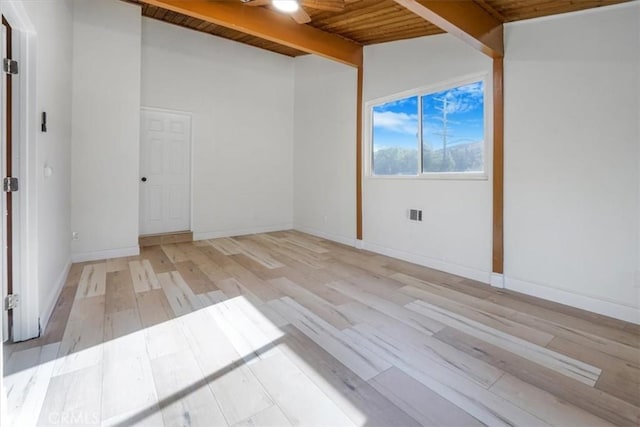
x=26, y=321
x=6, y=87
x=191, y=158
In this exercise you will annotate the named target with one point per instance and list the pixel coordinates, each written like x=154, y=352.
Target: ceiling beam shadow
x=465, y=20
x=269, y=25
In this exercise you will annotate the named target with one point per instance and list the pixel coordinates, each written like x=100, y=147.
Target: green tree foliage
x=404, y=161
x=458, y=158
x=395, y=161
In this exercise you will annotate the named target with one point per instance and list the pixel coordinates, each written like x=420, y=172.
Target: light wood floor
x=288, y=329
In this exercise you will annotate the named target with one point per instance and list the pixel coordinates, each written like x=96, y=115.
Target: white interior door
x=165, y=172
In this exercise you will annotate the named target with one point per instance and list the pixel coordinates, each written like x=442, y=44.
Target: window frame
x=420, y=92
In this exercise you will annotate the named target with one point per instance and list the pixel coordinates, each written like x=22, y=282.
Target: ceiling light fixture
x=286, y=5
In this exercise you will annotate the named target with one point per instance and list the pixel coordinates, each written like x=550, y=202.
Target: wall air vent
x=415, y=214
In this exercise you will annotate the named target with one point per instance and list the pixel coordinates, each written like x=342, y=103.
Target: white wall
x=456, y=233
x=325, y=148
x=571, y=156
x=637, y=283
x=241, y=100
x=572, y=184
x=53, y=24
x=106, y=126
x=44, y=201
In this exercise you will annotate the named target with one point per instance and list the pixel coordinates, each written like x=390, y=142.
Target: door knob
x=144, y=179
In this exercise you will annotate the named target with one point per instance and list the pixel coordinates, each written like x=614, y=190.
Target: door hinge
x=10, y=184
x=10, y=66
x=11, y=301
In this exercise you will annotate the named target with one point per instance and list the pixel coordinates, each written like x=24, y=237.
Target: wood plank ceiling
x=376, y=21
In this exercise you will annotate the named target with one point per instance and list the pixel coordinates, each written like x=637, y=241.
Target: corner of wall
x=105, y=254
x=46, y=307
x=497, y=280
x=349, y=241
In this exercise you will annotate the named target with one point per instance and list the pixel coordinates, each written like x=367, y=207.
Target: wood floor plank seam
x=567, y=366
x=286, y=328
x=433, y=293
x=576, y=393
x=462, y=392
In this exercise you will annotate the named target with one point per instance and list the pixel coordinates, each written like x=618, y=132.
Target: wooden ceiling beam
x=464, y=19
x=269, y=25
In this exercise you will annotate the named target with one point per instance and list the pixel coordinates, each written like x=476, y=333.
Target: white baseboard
x=204, y=235
x=497, y=280
x=105, y=254
x=48, y=306
x=459, y=270
x=349, y=241
x=608, y=308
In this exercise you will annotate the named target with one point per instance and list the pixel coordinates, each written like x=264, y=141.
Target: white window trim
x=419, y=92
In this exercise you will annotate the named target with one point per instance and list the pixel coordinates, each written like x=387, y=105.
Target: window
x=395, y=137
x=430, y=133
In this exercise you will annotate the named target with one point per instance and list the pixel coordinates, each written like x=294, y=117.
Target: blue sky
x=396, y=123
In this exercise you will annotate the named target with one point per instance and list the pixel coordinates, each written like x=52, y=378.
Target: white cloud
x=404, y=102
x=460, y=105
x=464, y=98
x=396, y=122
x=474, y=90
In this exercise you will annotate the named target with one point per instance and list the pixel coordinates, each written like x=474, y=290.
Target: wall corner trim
x=497, y=280
x=349, y=241
x=206, y=235
x=48, y=306
x=105, y=254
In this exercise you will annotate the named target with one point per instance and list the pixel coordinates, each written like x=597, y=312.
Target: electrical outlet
x=75, y=235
